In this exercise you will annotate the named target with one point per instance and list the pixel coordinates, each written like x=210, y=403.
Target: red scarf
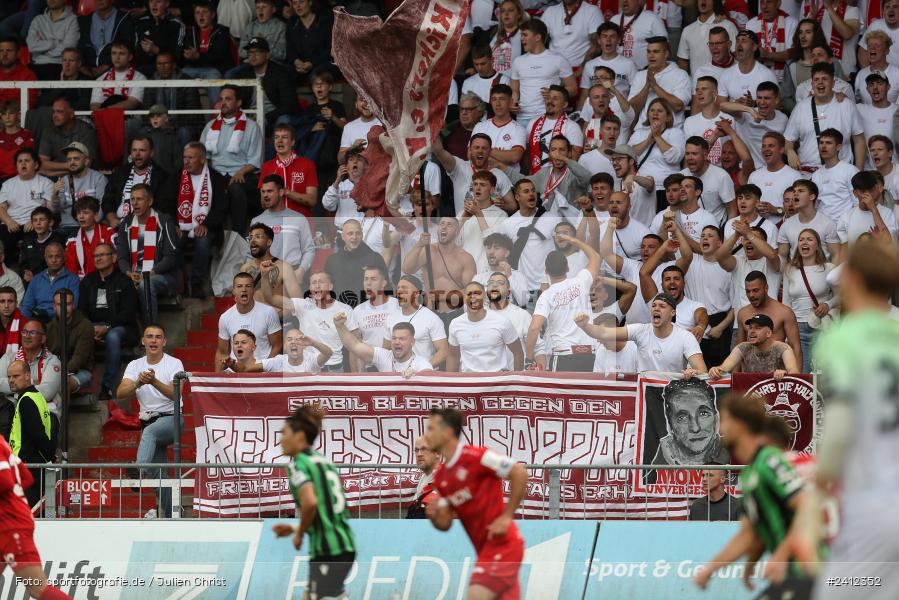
x=506, y=38
x=11, y=336
x=20, y=355
x=536, y=130
x=110, y=76
x=775, y=39
x=150, y=230
x=552, y=184
x=82, y=261
x=193, y=207
x=570, y=15
x=729, y=62
x=836, y=40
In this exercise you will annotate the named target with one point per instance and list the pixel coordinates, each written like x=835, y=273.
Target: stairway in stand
x=121, y=446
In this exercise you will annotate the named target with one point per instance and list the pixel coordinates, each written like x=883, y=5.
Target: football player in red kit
x=469, y=484
x=17, y=527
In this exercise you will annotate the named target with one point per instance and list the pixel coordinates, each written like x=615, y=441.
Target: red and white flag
x=403, y=67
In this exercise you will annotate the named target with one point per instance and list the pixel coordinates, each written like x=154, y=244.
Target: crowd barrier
x=407, y=560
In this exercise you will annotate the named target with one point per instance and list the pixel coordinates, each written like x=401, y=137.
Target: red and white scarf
x=553, y=183
x=627, y=36
x=134, y=177
x=111, y=76
x=215, y=131
x=149, y=245
x=836, y=40
x=773, y=38
x=536, y=130
x=84, y=246
x=12, y=336
x=284, y=166
x=193, y=205
x=20, y=355
x=568, y=16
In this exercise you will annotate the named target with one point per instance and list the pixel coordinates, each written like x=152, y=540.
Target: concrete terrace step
x=120, y=454
x=204, y=338
x=130, y=439
x=210, y=322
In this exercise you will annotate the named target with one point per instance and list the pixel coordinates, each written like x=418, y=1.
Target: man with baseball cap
x=760, y=353
x=740, y=80
x=662, y=346
x=640, y=188
x=877, y=117
x=80, y=181
x=279, y=93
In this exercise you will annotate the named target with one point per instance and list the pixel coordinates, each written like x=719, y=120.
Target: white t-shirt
x=630, y=271
x=625, y=71
x=319, y=323
x=881, y=25
x=281, y=363
x=597, y=162
x=262, y=320
x=643, y=204
x=876, y=121
x=481, y=343
x=339, y=200
x=835, y=197
x=768, y=29
x=636, y=30
x=151, y=399
x=372, y=320
x=22, y=197
x=734, y=83
x=503, y=137
x=674, y=80
x=707, y=70
x=559, y=304
x=841, y=116
x=660, y=165
x=767, y=226
x=773, y=184
x=861, y=87
x=743, y=268
x=694, y=40
x=791, y=228
x=751, y=132
x=461, y=178
x=120, y=88
x=482, y=85
x=686, y=312
x=857, y=221
x=691, y=224
x=573, y=40
x=705, y=128
x=533, y=72
x=428, y=329
x=804, y=90
x=709, y=285
x=357, y=129
x=518, y=287
x=849, y=46
x=385, y=362
x=521, y=321
x=531, y=263
x=628, y=239
x=668, y=354
x=471, y=236
x=626, y=360
x=717, y=191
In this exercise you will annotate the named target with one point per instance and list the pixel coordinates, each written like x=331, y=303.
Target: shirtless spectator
x=761, y=353
x=268, y=269
x=785, y=326
x=452, y=267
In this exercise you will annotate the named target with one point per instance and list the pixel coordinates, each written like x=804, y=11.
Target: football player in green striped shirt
x=318, y=492
x=772, y=492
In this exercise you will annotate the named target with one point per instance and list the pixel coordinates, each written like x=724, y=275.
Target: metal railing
x=124, y=490
x=25, y=87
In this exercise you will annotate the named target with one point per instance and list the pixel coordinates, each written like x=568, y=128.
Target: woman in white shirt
x=659, y=145
x=506, y=44
x=810, y=297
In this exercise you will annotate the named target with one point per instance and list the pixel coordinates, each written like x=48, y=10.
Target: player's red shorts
x=18, y=550
x=497, y=567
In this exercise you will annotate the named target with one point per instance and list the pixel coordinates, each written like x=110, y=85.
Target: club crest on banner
x=797, y=401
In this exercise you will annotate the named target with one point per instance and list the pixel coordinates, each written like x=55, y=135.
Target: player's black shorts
x=327, y=574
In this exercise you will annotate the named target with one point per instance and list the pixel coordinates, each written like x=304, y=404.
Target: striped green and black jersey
x=330, y=533
x=769, y=482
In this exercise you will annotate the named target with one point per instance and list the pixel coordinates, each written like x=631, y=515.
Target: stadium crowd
x=665, y=186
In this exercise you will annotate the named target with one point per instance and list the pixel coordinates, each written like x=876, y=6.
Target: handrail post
x=23, y=104
x=177, y=380
x=260, y=107
x=555, y=492
x=64, y=380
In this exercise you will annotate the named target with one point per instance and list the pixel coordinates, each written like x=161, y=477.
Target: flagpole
x=425, y=217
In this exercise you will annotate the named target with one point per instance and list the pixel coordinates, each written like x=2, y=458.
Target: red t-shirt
x=10, y=143
x=14, y=479
x=18, y=73
x=298, y=177
x=472, y=483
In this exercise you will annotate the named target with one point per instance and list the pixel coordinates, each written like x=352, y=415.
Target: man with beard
x=662, y=346
x=628, y=232
x=399, y=358
x=261, y=320
x=774, y=177
x=560, y=180
x=478, y=338
x=337, y=196
x=760, y=353
x=683, y=194
x=530, y=230
x=55, y=140
x=316, y=314
x=303, y=355
x=425, y=493
x=740, y=80
x=498, y=247
x=347, y=268
x=640, y=189
x=268, y=270
x=717, y=186
x=759, y=256
x=471, y=111
x=293, y=238
x=140, y=168
x=575, y=257
x=461, y=172
x=12, y=69
x=552, y=124
x=497, y=288
x=79, y=181
x=693, y=316
x=452, y=266
x=430, y=333
x=752, y=123
x=783, y=319
x=372, y=314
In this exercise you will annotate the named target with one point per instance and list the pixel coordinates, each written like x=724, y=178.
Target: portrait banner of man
x=678, y=425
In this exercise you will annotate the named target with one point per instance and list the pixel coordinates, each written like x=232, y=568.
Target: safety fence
x=167, y=490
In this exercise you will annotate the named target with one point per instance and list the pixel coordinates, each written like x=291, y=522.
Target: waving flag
x=403, y=67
